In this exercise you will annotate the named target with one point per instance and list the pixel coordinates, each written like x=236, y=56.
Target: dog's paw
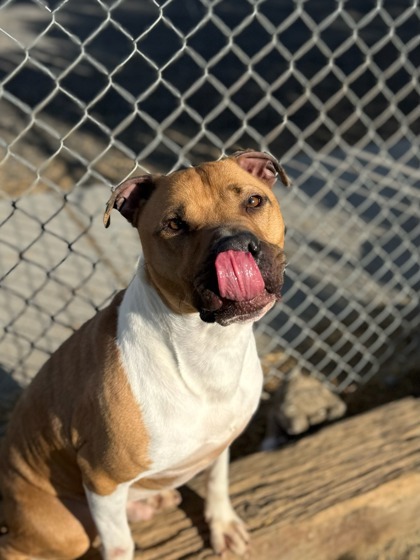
x=229, y=533
x=165, y=500
x=142, y=510
x=302, y=402
x=139, y=510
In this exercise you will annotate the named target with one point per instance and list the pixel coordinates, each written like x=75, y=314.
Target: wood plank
x=355, y=529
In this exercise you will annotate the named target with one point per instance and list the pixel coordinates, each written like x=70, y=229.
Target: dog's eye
x=175, y=224
x=254, y=201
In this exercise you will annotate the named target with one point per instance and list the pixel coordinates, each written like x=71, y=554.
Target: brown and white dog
x=155, y=387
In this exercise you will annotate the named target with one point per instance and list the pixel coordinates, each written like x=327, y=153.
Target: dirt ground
x=376, y=392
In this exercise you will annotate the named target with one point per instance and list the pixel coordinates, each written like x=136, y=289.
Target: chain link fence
x=92, y=92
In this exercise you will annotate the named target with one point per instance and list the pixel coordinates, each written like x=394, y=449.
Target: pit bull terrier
x=155, y=387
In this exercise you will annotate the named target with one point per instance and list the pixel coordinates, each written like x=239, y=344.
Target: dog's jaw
x=240, y=312
x=215, y=309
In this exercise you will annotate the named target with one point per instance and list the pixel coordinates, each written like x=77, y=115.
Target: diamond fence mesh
x=92, y=92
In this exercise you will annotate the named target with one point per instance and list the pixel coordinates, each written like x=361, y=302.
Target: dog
x=155, y=387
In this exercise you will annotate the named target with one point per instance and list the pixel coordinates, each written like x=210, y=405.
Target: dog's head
x=212, y=235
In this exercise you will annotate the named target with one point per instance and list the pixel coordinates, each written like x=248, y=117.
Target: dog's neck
x=188, y=347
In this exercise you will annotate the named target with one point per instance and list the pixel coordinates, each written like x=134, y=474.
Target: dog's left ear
x=129, y=197
x=262, y=165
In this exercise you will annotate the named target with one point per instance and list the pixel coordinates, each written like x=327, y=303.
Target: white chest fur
x=197, y=384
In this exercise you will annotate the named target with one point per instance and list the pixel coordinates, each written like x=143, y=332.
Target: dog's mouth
x=237, y=289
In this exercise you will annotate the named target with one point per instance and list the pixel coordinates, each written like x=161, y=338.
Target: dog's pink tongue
x=238, y=276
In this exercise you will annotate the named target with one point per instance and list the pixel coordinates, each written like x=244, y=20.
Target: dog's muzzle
x=241, y=280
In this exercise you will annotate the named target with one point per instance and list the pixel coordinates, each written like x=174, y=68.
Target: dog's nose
x=241, y=241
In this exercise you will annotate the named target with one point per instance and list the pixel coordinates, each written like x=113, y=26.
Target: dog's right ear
x=129, y=197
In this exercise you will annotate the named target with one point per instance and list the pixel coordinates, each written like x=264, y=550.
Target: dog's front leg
x=227, y=530
x=110, y=517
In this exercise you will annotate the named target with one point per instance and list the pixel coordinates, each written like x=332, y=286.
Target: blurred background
x=93, y=92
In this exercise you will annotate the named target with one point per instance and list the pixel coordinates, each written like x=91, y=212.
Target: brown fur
x=46, y=472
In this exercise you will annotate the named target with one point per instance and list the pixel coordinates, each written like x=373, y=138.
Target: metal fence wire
x=94, y=91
